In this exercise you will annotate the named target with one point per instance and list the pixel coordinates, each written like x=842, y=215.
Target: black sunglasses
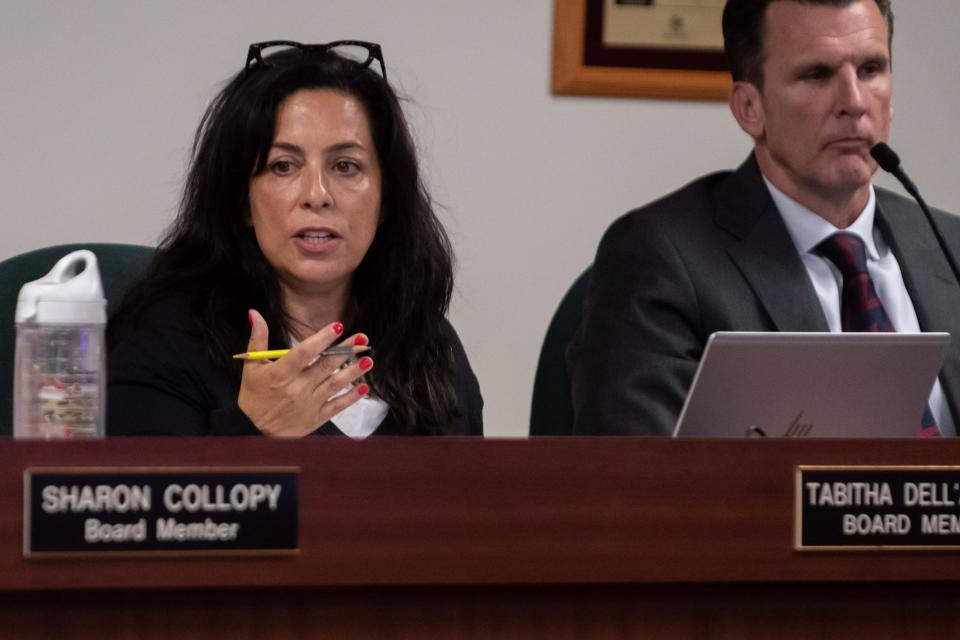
x=358, y=51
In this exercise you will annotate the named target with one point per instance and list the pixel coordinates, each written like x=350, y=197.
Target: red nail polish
x=360, y=341
x=363, y=389
x=365, y=363
x=338, y=328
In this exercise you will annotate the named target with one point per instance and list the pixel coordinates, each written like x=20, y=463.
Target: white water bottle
x=59, y=383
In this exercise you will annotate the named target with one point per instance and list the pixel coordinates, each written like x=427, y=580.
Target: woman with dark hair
x=304, y=221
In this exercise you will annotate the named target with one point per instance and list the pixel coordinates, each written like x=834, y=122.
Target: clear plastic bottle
x=59, y=384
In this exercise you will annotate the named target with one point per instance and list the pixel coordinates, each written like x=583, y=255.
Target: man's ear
x=746, y=104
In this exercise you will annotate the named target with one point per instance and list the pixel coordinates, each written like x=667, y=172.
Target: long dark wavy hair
x=401, y=288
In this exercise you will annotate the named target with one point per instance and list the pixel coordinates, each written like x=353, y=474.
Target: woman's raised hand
x=294, y=395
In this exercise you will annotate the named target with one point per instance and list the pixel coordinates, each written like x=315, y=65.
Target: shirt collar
x=807, y=229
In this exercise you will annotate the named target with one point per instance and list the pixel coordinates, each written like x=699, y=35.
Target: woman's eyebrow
x=343, y=146
x=288, y=146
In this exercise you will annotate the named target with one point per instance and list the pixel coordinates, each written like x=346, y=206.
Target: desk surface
x=447, y=511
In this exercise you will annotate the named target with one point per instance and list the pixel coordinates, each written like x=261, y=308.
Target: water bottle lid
x=70, y=294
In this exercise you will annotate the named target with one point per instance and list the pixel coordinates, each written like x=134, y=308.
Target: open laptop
x=812, y=384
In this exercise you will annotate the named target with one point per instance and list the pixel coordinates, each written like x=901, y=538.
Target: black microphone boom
x=889, y=161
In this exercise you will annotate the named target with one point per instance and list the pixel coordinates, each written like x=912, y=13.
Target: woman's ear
x=746, y=105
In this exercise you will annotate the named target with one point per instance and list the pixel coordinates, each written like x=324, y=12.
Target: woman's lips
x=315, y=239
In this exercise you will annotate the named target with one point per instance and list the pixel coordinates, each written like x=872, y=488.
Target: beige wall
x=99, y=100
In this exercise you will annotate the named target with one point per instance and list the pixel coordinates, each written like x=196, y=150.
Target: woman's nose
x=315, y=193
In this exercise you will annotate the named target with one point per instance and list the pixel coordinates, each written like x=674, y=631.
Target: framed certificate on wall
x=669, y=49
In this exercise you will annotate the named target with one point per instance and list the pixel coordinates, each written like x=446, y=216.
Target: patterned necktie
x=860, y=307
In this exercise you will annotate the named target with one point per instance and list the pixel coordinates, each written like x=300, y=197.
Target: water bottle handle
x=74, y=279
x=67, y=266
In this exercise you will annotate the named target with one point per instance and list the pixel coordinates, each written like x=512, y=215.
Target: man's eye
x=817, y=74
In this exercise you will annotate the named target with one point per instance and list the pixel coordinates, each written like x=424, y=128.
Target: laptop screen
x=812, y=384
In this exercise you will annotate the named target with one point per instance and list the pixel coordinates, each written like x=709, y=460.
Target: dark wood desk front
x=565, y=537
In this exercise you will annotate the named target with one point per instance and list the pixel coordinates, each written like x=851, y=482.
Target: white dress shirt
x=362, y=418
x=807, y=230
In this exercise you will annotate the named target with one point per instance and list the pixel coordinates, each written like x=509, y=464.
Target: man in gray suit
x=741, y=250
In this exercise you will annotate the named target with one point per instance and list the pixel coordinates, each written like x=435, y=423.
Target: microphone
x=889, y=161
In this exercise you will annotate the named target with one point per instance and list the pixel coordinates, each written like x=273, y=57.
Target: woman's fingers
x=319, y=366
x=335, y=405
x=259, y=333
x=308, y=352
x=348, y=392
x=299, y=392
x=342, y=378
x=334, y=394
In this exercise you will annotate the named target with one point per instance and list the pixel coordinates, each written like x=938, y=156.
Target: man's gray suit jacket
x=716, y=256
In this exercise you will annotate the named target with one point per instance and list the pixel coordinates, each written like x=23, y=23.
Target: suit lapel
x=933, y=290
x=765, y=253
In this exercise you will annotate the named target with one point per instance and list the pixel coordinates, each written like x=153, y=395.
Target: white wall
x=99, y=100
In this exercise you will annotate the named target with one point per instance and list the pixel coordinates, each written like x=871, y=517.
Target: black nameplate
x=159, y=510
x=877, y=508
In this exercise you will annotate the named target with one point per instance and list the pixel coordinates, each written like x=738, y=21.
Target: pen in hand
x=273, y=354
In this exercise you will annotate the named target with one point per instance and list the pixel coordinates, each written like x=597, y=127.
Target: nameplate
x=877, y=508
x=90, y=511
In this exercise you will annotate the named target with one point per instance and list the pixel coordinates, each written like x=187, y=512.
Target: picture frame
x=629, y=76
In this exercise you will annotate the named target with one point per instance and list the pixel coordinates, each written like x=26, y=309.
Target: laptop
x=849, y=385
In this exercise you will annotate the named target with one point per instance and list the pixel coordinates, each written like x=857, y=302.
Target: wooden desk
x=554, y=537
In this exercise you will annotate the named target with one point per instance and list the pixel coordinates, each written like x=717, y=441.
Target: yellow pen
x=273, y=354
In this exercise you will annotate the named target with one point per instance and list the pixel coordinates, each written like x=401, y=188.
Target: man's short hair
x=743, y=33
